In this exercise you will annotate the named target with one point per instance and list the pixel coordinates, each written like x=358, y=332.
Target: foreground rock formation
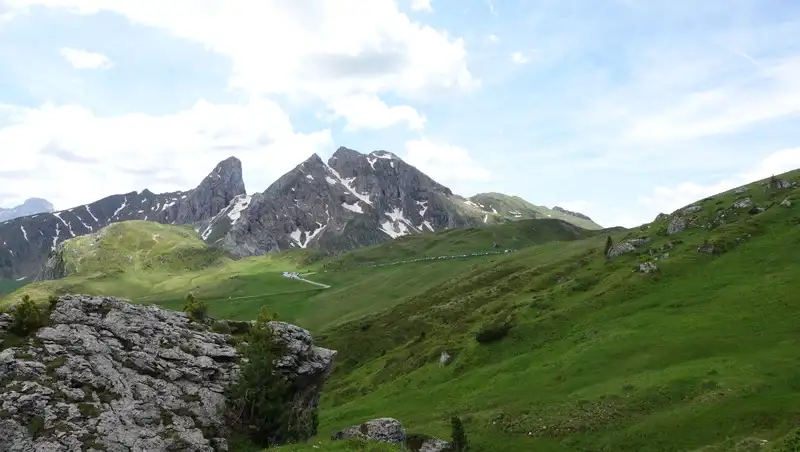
x=107, y=375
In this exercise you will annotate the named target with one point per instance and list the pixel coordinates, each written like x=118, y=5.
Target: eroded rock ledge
x=108, y=375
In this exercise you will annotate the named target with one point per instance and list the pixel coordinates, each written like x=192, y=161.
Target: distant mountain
x=355, y=200
x=29, y=207
x=514, y=207
x=26, y=242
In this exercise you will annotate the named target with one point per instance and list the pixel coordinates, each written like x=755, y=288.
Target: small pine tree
x=197, y=310
x=26, y=317
x=609, y=245
x=459, y=435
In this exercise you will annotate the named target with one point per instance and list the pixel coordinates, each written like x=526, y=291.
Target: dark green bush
x=196, y=309
x=262, y=404
x=492, y=332
x=459, y=442
x=792, y=443
x=26, y=317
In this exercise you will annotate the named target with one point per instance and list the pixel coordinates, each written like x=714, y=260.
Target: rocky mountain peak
x=214, y=193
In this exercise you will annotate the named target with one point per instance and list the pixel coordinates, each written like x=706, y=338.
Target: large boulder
x=109, y=375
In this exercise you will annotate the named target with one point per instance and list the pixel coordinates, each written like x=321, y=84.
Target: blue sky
x=618, y=108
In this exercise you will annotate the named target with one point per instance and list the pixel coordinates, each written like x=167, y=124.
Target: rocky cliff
x=26, y=242
x=107, y=375
x=352, y=200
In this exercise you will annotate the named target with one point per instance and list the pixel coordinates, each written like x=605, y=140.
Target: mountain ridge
x=26, y=242
x=353, y=200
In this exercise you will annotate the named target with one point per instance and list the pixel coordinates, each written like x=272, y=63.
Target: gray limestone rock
x=744, y=203
x=677, y=225
x=109, y=375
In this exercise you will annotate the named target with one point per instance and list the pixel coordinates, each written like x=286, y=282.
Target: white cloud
x=369, y=112
x=68, y=146
x=519, y=58
x=493, y=38
x=669, y=199
x=316, y=48
x=421, y=5
x=445, y=163
x=82, y=59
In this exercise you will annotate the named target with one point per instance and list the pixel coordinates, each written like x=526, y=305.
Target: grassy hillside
x=701, y=355
x=514, y=207
x=575, y=353
x=512, y=236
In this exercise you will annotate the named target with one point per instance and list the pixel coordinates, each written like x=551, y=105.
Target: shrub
x=262, y=404
x=27, y=317
x=459, y=435
x=265, y=316
x=792, y=443
x=196, y=309
x=492, y=332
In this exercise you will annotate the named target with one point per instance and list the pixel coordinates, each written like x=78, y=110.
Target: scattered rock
x=444, y=358
x=620, y=249
x=744, y=203
x=677, y=225
x=661, y=216
x=110, y=375
x=780, y=183
x=741, y=190
x=648, y=267
x=389, y=430
x=706, y=247
x=386, y=430
x=690, y=210
x=637, y=242
x=786, y=202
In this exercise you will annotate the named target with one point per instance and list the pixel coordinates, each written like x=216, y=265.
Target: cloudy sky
x=617, y=108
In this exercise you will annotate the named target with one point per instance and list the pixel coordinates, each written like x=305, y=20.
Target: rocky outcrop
x=27, y=242
x=677, y=225
x=109, y=375
x=390, y=430
x=31, y=206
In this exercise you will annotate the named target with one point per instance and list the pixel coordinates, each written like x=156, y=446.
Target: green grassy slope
x=699, y=356
x=515, y=207
x=514, y=235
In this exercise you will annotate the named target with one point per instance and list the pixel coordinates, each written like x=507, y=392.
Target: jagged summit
x=353, y=200
x=26, y=242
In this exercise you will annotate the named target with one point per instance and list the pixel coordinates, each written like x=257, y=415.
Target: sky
x=620, y=109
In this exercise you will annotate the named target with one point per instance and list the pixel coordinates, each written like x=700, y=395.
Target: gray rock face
x=690, y=210
x=677, y=225
x=29, y=207
x=648, y=267
x=353, y=200
x=744, y=203
x=26, y=242
x=110, y=375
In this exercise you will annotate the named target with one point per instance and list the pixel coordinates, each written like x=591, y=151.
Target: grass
x=699, y=356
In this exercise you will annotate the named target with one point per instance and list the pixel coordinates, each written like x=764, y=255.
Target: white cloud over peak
x=449, y=164
x=98, y=156
x=82, y=59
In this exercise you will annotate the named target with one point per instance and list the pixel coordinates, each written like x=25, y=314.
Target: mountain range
x=31, y=206
x=353, y=200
